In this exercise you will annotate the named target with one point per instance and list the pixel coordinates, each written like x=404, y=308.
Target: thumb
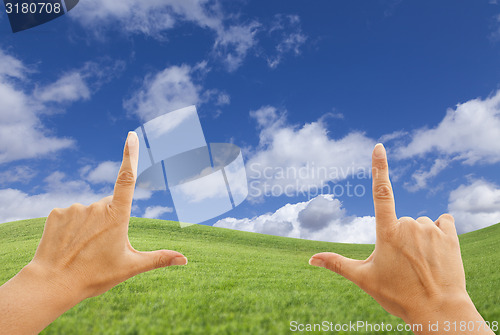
x=346, y=267
x=150, y=260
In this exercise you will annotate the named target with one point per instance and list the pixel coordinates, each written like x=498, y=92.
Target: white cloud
x=233, y=38
x=233, y=44
x=298, y=158
x=168, y=90
x=289, y=33
x=22, y=134
x=11, y=66
x=155, y=17
x=151, y=17
x=142, y=194
x=79, y=84
x=155, y=212
x=105, y=172
x=469, y=133
x=70, y=87
x=223, y=99
x=421, y=177
x=321, y=219
x=60, y=192
x=475, y=206
x=22, y=174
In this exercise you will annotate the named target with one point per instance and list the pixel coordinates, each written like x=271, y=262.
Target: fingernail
x=317, y=262
x=379, y=151
x=180, y=260
x=132, y=140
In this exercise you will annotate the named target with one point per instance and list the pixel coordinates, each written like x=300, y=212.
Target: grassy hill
x=237, y=282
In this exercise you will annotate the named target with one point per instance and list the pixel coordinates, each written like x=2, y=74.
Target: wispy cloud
x=421, y=177
x=287, y=32
x=233, y=37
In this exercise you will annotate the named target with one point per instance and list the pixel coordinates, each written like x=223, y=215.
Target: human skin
x=416, y=270
x=84, y=252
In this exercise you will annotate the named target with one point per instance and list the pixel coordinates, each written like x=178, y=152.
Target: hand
x=84, y=252
x=416, y=270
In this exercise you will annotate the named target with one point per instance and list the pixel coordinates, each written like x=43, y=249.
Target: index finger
x=383, y=197
x=125, y=183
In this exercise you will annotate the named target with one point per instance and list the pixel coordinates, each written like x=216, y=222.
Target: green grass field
x=237, y=283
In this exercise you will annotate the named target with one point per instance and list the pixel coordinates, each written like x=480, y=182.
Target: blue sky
x=292, y=83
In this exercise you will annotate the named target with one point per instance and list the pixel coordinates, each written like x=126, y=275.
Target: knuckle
x=77, y=207
x=56, y=213
x=447, y=217
x=161, y=261
x=95, y=207
x=125, y=178
x=383, y=191
x=406, y=220
x=335, y=266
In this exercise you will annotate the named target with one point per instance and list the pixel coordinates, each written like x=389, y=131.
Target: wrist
x=33, y=299
x=60, y=294
x=455, y=308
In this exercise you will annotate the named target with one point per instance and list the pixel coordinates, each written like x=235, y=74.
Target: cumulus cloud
x=475, y=206
x=59, y=192
x=22, y=133
x=155, y=212
x=104, y=172
x=295, y=158
x=168, y=90
x=468, y=133
x=322, y=218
